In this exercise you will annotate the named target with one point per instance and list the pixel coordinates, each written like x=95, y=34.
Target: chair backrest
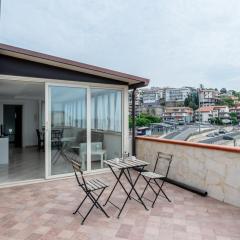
x=163, y=163
x=73, y=158
x=57, y=134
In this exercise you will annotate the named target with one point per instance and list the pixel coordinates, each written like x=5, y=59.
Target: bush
x=144, y=120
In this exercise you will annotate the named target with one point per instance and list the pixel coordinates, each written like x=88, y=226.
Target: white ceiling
x=21, y=90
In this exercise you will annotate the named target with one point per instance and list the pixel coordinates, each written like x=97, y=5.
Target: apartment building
x=152, y=96
x=138, y=102
x=177, y=96
x=178, y=114
x=208, y=97
x=205, y=113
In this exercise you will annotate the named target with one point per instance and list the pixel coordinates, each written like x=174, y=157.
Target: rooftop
x=38, y=57
x=210, y=108
x=44, y=211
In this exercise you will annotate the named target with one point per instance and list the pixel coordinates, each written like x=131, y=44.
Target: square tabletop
x=126, y=163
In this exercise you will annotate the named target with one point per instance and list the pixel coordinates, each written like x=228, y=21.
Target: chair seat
x=95, y=184
x=152, y=175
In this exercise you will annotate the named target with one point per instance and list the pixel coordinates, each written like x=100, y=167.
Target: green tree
x=192, y=101
x=234, y=119
x=223, y=90
x=236, y=94
x=226, y=101
x=130, y=122
x=216, y=120
x=144, y=120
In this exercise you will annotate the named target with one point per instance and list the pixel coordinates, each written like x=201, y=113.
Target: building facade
x=178, y=114
x=208, y=97
x=176, y=96
x=49, y=104
x=205, y=113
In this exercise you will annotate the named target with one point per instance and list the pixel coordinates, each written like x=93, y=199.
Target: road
x=184, y=132
x=183, y=135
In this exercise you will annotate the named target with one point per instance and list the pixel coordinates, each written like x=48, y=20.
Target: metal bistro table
x=125, y=166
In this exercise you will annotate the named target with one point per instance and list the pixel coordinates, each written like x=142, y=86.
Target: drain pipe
x=133, y=124
x=198, y=191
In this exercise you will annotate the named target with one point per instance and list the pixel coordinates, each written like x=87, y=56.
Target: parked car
x=211, y=135
x=222, y=131
x=181, y=122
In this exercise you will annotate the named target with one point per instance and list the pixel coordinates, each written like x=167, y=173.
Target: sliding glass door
x=106, y=126
x=86, y=120
x=67, y=127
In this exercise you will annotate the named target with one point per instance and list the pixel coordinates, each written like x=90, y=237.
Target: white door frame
x=48, y=162
x=88, y=86
x=124, y=103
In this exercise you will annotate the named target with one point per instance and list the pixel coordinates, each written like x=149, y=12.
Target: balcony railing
x=213, y=168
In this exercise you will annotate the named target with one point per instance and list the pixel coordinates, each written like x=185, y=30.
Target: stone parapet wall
x=212, y=169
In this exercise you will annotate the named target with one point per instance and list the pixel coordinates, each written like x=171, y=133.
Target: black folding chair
x=40, y=137
x=158, y=176
x=56, y=143
x=88, y=186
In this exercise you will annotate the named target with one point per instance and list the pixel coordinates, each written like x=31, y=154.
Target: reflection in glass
x=68, y=126
x=106, y=126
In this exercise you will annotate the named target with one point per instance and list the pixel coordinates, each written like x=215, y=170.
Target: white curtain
x=75, y=114
x=118, y=114
x=107, y=110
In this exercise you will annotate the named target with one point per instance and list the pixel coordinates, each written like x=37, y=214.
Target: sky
x=172, y=42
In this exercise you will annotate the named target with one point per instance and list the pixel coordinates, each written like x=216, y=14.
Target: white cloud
x=174, y=43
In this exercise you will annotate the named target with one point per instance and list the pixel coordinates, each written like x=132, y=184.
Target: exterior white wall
x=30, y=121
x=176, y=94
x=215, y=171
x=205, y=116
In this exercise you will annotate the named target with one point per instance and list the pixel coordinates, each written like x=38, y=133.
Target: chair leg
x=157, y=194
x=94, y=204
x=39, y=146
x=92, y=199
x=148, y=182
x=90, y=196
x=161, y=190
x=154, y=191
x=80, y=205
x=99, y=205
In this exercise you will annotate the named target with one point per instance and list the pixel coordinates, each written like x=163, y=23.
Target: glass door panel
x=68, y=126
x=106, y=126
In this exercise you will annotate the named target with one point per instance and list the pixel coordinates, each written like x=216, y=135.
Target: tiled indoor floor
x=44, y=211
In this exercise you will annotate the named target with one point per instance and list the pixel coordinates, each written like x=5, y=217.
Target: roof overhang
x=131, y=80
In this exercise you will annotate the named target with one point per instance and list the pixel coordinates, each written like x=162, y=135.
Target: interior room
x=21, y=115
x=23, y=131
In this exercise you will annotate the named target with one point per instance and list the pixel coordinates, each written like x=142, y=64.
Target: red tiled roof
x=205, y=109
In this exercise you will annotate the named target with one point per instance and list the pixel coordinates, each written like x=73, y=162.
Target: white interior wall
x=30, y=119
